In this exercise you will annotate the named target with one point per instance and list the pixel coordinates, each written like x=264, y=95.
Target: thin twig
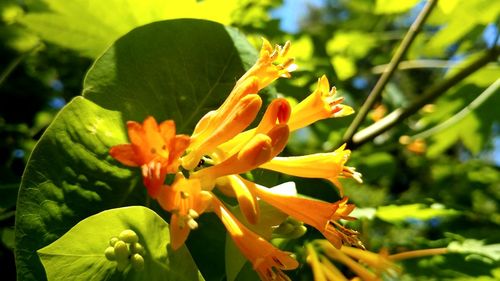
x=432, y=93
x=413, y=64
x=462, y=113
x=418, y=254
x=13, y=64
x=386, y=75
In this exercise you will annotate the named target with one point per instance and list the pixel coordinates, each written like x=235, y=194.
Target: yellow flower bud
x=128, y=236
x=113, y=241
x=121, y=251
x=137, y=262
x=110, y=253
x=136, y=248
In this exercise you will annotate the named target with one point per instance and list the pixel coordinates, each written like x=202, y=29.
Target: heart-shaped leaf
x=79, y=254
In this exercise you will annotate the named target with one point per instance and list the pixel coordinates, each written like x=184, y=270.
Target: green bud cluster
x=290, y=229
x=125, y=250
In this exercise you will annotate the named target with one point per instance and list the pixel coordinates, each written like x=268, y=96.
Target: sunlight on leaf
x=80, y=252
x=88, y=27
x=398, y=214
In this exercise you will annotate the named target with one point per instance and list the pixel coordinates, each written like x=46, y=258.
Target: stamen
x=192, y=213
x=285, y=48
x=276, y=260
x=287, y=63
x=274, y=55
x=192, y=224
x=145, y=171
x=184, y=195
x=157, y=170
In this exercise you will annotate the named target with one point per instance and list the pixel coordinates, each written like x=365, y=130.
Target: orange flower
x=329, y=166
x=267, y=69
x=267, y=260
x=365, y=265
x=321, y=104
x=260, y=149
x=186, y=201
x=278, y=112
x=156, y=149
x=321, y=215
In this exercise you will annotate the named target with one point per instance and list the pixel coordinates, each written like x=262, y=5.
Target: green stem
x=432, y=93
x=460, y=115
x=418, y=254
x=389, y=71
x=13, y=64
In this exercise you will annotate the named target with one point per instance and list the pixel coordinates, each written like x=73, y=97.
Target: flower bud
x=298, y=232
x=284, y=229
x=137, y=262
x=113, y=241
x=121, y=251
x=110, y=253
x=136, y=248
x=128, y=236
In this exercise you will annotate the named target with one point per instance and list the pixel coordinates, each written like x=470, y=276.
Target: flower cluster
x=219, y=151
x=366, y=265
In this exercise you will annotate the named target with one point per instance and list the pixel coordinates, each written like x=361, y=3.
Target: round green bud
x=110, y=253
x=284, y=229
x=137, y=262
x=122, y=264
x=128, y=236
x=137, y=248
x=299, y=231
x=121, y=251
x=113, y=241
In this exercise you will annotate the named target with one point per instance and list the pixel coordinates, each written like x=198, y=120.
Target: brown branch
x=386, y=75
x=432, y=93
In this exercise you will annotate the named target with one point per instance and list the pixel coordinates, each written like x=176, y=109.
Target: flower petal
x=125, y=154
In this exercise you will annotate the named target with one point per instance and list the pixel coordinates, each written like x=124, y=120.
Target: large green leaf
x=88, y=27
x=181, y=74
x=79, y=254
x=69, y=177
x=175, y=69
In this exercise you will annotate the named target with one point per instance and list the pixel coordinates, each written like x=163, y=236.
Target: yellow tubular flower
x=234, y=122
x=331, y=271
x=322, y=268
x=267, y=260
x=319, y=105
x=329, y=166
x=186, y=201
x=353, y=265
x=261, y=74
x=278, y=112
x=321, y=215
x=246, y=198
x=379, y=262
x=257, y=151
x=312, y=260
x=267, y=69
x=367, y=265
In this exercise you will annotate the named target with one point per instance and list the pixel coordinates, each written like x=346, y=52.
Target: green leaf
x=476, y=249
x=80, y=252
x=397, y=214
x=234, y=259
x=182, y=74
x=394, y=6
x=177, y=69
x=88, y=27
x=460, y=21
x=69, y=177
